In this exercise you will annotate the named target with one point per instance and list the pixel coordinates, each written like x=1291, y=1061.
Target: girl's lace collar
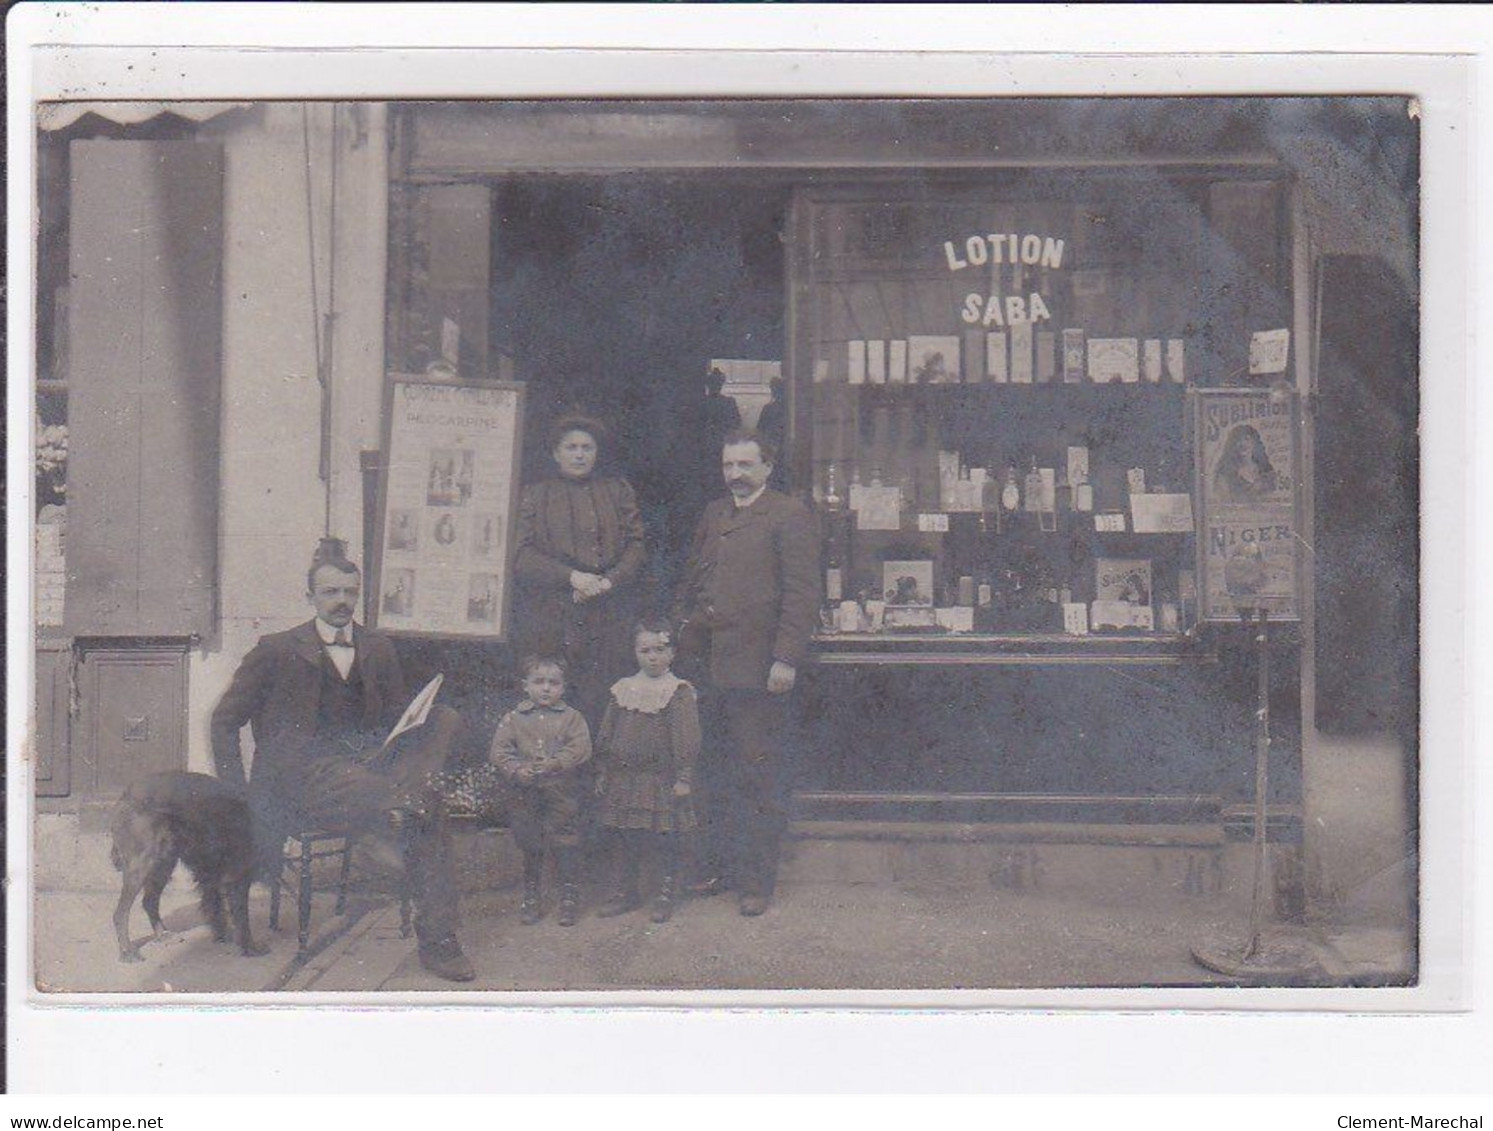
x=641, y=693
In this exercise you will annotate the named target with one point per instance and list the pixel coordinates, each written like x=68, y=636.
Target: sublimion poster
x=1249, y=553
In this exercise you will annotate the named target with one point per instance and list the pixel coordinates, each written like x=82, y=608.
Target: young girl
x=646, y=750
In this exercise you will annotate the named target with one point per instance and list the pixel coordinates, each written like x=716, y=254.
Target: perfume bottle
x=1010, y=491
x=1034, y=488
x=834, y=578
x=984, y=591
x=833, y=500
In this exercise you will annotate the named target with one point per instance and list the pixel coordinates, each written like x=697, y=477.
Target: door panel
x=132, y=718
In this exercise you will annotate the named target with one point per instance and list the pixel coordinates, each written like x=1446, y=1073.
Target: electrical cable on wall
x=329, y=319
x=322, y=323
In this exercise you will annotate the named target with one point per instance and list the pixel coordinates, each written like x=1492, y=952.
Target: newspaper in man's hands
x=418, y=710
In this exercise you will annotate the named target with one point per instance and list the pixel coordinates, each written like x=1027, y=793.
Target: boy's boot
x=624, y=894
x=531, y=910
x=663, y=903
x=566, y=864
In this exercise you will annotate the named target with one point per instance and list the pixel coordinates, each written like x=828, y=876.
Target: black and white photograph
x=908, y=583
x=901, y=769
x=933, y=360
x=404, y=530
x=399, y=592
x=876, y=549
x=482, y=598
x=445, y=530
x=450, y=478
x=485, y=537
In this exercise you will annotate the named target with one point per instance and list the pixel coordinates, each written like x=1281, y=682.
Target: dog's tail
x=118, y=831
x=115, y=857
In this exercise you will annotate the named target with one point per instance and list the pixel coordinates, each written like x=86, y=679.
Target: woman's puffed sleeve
x=532, y=563
x=634, y=549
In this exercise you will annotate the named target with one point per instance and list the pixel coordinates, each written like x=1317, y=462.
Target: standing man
x=319, y=700
x=748, y=605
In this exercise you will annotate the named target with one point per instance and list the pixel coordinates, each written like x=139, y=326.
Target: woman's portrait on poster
x=1244, y=472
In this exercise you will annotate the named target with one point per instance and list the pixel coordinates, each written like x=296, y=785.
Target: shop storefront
x=1015, y=337
x=998, y=326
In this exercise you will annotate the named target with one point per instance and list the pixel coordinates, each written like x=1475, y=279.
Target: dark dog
x=200, y=821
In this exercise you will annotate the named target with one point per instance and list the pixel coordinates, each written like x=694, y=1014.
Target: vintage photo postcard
x=882, y=546
x=334, y=396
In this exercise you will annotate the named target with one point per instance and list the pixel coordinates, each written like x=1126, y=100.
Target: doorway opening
x=613, y=295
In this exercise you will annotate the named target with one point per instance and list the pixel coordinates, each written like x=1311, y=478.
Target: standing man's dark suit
x=749, y=603
x=319, y=760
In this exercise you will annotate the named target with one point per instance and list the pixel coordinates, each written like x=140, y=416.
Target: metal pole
x=1262, y=787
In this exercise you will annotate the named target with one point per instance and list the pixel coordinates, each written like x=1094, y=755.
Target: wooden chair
x=301, y=852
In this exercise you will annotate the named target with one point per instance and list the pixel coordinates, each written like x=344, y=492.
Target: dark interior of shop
x=614, y=294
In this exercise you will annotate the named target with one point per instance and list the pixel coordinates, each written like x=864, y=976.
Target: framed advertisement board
x=447, y=506
x=1247, y=461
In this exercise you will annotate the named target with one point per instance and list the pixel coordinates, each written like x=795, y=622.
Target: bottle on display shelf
x=965, y=591
x=833, y=499
x=906, y=494
x=1032, y=496
x=836, y=543
x=1010, y=495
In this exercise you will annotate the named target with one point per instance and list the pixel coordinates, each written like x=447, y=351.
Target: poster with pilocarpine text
x=447, y=509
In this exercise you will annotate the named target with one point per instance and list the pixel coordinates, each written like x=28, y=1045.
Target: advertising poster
x=1249, y=554
x=448, y=505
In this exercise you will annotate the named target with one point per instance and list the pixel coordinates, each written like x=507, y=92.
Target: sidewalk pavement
x=841, y=921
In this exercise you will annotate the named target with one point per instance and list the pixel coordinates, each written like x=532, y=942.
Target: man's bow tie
x=343, y=639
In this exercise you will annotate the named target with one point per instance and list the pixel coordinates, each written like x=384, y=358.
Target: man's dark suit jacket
x=277, y=691
x=752, y=585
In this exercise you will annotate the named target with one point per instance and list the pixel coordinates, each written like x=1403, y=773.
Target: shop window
x=993, y=377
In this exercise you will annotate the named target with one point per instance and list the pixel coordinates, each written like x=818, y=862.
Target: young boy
x=539, y=748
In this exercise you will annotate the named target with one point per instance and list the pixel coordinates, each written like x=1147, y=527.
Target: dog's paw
x=254, y=949
x=131, y=956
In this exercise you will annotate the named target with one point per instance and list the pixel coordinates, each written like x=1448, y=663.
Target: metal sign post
x=1278, y=957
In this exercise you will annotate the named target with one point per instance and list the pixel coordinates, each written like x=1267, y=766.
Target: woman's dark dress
x=591, y=525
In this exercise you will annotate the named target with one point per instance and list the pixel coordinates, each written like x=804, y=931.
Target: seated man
x=320, y=698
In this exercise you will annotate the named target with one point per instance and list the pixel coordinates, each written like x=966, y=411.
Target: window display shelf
x=1010, y=649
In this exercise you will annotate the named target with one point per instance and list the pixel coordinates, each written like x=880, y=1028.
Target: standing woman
x=580, y=557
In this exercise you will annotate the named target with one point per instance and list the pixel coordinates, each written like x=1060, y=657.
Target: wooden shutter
x=145, y=337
